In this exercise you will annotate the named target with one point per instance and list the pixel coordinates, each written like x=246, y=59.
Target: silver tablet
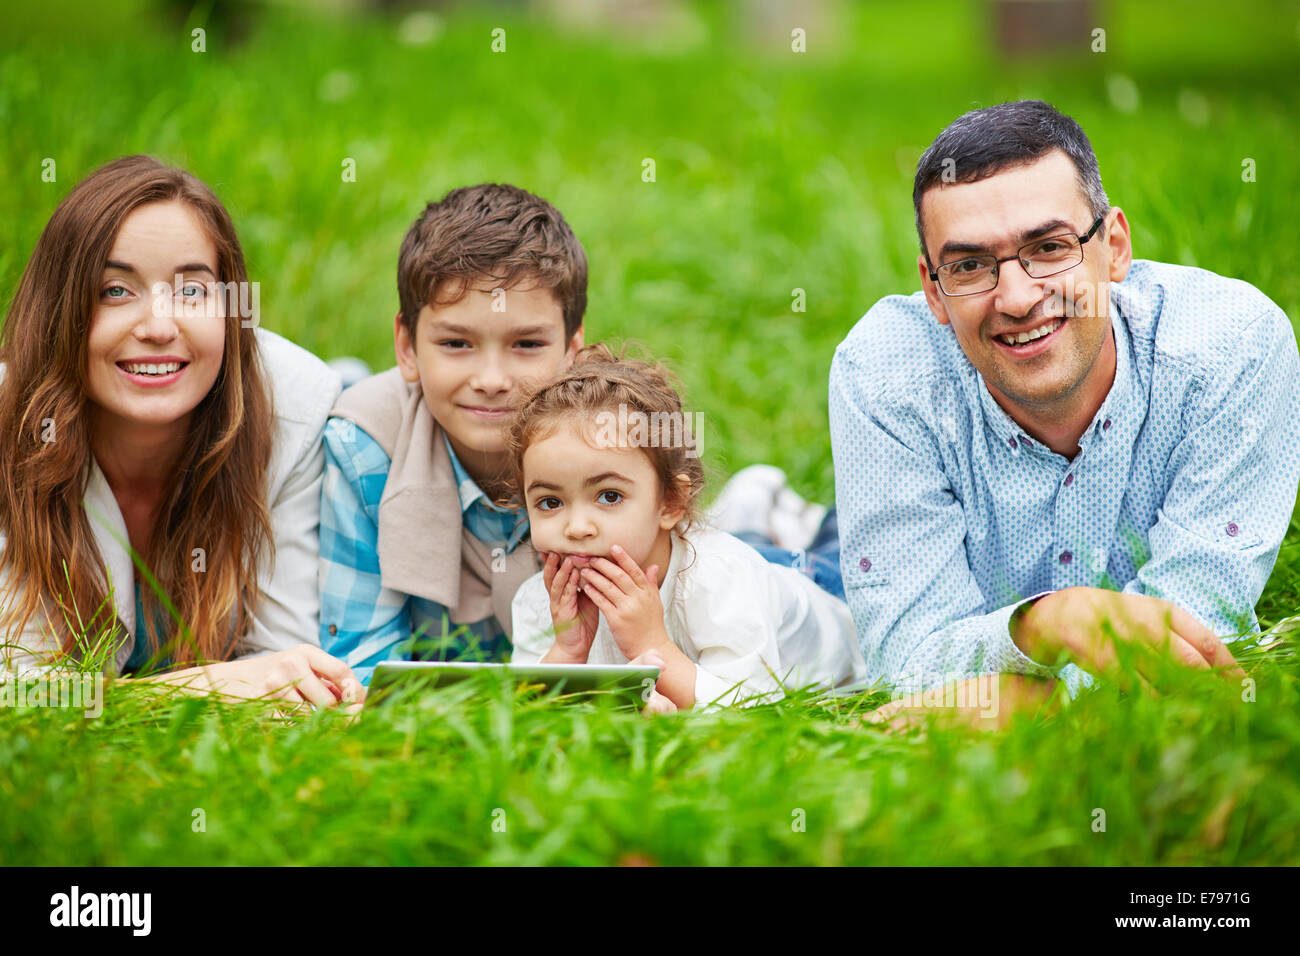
x=627, y=683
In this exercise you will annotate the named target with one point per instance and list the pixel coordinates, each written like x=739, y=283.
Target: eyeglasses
x=1040, y=259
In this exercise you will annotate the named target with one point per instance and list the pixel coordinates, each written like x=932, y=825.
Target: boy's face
x=583, y=499
x=472, y=357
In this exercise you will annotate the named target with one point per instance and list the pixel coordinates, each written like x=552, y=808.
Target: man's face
x=472, y=359
x=996, y=216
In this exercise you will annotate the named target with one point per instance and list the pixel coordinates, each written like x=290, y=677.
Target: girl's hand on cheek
x=629, y=599
x=574, y=615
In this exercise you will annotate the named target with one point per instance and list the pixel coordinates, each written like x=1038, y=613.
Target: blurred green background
x=775, y=170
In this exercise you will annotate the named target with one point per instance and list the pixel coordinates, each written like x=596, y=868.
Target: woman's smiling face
x=583, y=499
x=156, y=342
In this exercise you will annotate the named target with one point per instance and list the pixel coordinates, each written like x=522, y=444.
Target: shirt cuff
x=1014, y=660
x=1006, y=653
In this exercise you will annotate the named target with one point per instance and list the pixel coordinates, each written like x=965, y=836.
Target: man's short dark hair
x=981, y=143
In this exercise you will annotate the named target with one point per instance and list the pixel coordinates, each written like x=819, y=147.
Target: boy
x=492, y=286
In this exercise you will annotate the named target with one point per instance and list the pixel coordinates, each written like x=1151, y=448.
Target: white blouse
x=750, y=626
x=303, y=391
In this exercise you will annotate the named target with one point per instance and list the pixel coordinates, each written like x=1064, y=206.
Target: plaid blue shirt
x=362, y=622
x=951, y=516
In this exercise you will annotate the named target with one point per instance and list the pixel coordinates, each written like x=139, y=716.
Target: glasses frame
x=997, y=263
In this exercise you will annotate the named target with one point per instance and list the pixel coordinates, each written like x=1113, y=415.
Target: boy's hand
x=573, y=613
x=629, y=599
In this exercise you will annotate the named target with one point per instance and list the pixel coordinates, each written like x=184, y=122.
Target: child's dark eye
x=532, y=345
x=454, y=344
x=601, y=497
x=541, y=504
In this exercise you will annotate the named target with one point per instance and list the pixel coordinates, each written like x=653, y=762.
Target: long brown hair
x=216, y=500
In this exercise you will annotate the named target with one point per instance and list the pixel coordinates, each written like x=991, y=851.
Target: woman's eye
x=192, y=290
x=111, y=292
x=618, y=496
x=543, y=504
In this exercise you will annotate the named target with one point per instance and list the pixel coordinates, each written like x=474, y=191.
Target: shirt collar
x=466, y=486
x=1118, y=407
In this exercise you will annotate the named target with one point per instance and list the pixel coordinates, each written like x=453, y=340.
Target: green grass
x=774, y=172
x=1196, y=776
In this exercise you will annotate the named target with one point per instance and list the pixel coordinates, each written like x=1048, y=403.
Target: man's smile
x=1027, y=343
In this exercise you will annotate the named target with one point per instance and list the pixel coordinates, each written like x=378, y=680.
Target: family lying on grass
x=1048, y=455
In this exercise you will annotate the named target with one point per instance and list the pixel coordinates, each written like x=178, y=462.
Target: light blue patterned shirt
x=361, y=621
x=951, y=517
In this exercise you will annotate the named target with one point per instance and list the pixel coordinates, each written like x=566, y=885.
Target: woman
x=145, y=423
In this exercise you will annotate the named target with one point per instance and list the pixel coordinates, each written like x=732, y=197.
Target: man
x=1053, y=448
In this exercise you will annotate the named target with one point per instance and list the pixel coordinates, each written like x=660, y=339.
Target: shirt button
x=865, y=564
x=1105, y=425
x=1066, y=557
x=1233, y=529
x=334, y=629
x=1025, y=441
x=1011, y=442
x=1069, y=479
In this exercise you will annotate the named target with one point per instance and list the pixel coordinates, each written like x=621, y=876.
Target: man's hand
x=629, y=599
x=1081, y=621
x=573, y=613
x=987, y=702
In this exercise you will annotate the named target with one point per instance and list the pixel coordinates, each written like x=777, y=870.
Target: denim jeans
x=820, y=561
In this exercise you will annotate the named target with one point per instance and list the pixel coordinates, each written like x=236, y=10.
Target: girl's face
x=583, y=499
x=158, y=332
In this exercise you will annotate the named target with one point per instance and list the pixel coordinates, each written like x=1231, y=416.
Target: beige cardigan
x=424, y=548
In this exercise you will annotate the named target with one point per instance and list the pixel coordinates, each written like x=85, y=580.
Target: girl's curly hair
x=600, y=381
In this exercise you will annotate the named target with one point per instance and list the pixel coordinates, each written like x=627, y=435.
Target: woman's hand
x=302, y=675
x=629, y=599
x=573, y=613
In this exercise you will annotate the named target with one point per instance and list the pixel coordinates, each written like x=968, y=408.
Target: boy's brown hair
x=490, y=232
x=599, y=381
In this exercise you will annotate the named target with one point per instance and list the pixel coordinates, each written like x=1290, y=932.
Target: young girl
x=632, y=574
